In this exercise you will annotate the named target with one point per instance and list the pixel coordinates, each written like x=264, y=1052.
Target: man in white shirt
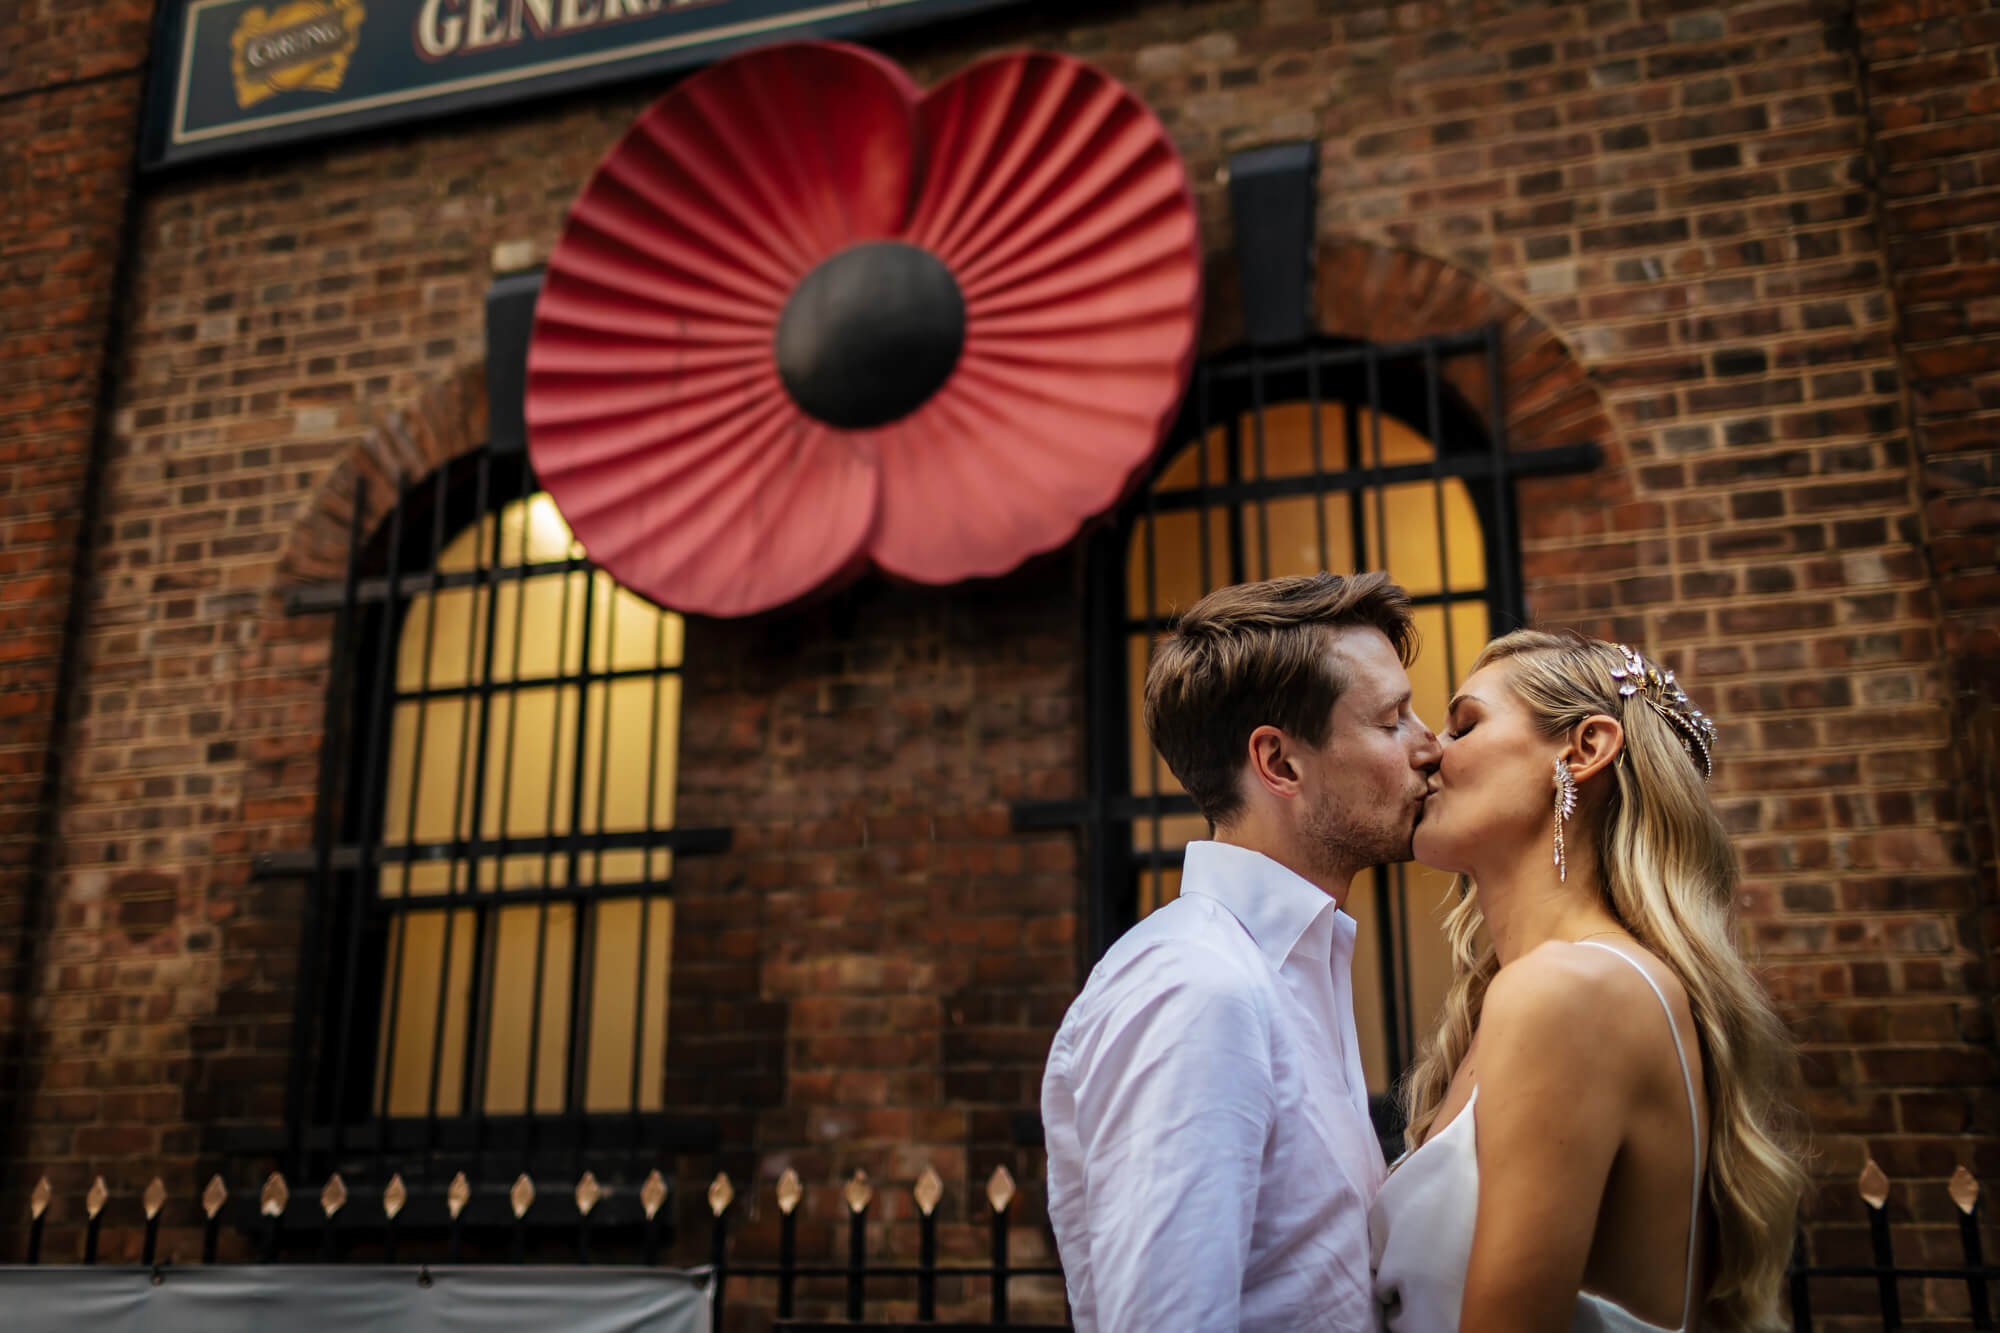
x=1211, y=1158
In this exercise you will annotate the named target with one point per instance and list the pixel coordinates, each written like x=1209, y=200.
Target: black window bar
x=379, y=871
x=1389, y=460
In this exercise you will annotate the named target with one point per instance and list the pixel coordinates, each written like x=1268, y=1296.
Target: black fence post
x=272, y=1203
x=38, y=1216
x=456, y=1196
x=928, y=1190
x=720, y=1195
x=520, y=1199
x=1965, y=1194
x=588, y=1192
x=999, y=1193
x=212, y=1199
x=1801, y=1288
x=858, y=1194
x=652, y=1195
x=394, y=1196
x=331, y=1200
x=154, y=1200
x=1875, y=1193
x=93, y=1207
x=790, y=1191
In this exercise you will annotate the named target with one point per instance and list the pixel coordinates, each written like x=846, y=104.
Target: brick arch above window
x=1378, y=293
x=446, y=421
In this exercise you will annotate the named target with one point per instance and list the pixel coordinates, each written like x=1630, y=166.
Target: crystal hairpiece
x=1637, y=675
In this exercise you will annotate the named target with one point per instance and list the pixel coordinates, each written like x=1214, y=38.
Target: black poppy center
x=870, y=334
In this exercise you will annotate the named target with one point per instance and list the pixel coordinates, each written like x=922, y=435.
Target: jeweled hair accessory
x=1637, y=675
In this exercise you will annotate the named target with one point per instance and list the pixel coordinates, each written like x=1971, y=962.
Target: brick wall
x=69, y=95
x=1933, y=84
x=1672, y=207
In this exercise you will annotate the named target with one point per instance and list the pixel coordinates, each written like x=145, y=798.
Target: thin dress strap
x=1694, y=1116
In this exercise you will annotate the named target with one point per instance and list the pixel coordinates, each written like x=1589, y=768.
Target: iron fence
x=336, y=1226
x=396, y=1225
x=1886, y=1277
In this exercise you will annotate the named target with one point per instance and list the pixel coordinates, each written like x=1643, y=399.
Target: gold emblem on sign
x=301, y=46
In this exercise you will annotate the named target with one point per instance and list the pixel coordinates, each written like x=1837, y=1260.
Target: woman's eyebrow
x=1458, y=699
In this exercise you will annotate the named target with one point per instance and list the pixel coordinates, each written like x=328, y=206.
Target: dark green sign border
x=391, y=84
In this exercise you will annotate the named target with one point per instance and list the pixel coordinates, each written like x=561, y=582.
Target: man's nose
x=1429, y=749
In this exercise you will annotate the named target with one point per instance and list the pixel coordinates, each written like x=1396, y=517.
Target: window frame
x=334, y=1108
x=1406, y=380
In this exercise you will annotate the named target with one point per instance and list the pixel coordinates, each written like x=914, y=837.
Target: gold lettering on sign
x=301, y=46
x=438, y=33
x=485, y=28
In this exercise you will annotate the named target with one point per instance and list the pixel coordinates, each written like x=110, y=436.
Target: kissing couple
x=1596, y=1129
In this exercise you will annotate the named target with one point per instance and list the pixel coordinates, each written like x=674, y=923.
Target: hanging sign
x=241, y=74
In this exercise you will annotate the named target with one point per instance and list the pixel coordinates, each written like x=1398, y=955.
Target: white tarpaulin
x=279, y=1298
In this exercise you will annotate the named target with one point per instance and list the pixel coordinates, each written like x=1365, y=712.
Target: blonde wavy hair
x=1668, y=873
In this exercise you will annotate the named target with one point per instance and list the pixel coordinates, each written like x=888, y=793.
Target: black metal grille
x=1323, y=455
x=489, y=930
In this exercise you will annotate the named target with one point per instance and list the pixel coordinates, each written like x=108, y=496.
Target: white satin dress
x=1420, y=1229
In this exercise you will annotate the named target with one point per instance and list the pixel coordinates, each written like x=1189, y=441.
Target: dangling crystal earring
x=1565, y=807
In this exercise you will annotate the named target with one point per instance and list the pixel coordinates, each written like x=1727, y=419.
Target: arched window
x=562, y=729
x=1333, y=456
x=494, y=913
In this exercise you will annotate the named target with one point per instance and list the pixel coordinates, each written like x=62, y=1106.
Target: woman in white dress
x=1597, y=1127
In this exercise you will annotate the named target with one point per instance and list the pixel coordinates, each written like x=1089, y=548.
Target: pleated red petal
x=1060, y=204
x=655, y=415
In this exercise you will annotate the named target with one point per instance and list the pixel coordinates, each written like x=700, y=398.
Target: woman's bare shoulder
x=1568, y=998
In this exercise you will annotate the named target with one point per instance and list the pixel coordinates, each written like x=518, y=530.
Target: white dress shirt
x=1211, y=1159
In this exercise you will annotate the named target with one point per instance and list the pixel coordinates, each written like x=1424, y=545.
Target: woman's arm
x=1554, y=1084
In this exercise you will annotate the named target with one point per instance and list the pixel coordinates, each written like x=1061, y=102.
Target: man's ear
x=1273, y=765
x=1594, y=745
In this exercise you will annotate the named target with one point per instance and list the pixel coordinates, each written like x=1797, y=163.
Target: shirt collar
x=1280, y=908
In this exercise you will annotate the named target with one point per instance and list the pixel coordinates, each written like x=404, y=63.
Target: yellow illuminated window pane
x=1175, y=550
x=509, y=763
x=1157, y=888
x=624, y=927
x=1370, y=1014
x=418, y=940
x=513, y=1031
x=1429, y=894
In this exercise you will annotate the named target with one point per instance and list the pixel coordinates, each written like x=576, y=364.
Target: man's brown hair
x=1256, y=654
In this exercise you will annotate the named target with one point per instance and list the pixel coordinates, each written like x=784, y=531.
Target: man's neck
x=1333, y=881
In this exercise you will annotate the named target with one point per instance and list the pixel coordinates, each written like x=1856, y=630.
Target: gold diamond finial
x=214, y=1197
x=720, y=1194
x=929, y=1190
x=1964, y=1191
x=93, y=1202
x=1874, y=1185
x=653, y=1194
x=588, y=1192
x=1000, y=1189
x=457, y=1195
x=276, y=1195
x=394, y=1196
x=790, y=1191
x=155, y=1198
x=522, y=1197
x=38, y=1202
x=334, y=1197
x=858, y=1192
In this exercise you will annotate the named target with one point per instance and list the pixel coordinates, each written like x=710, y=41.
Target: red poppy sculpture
x=806, y=318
